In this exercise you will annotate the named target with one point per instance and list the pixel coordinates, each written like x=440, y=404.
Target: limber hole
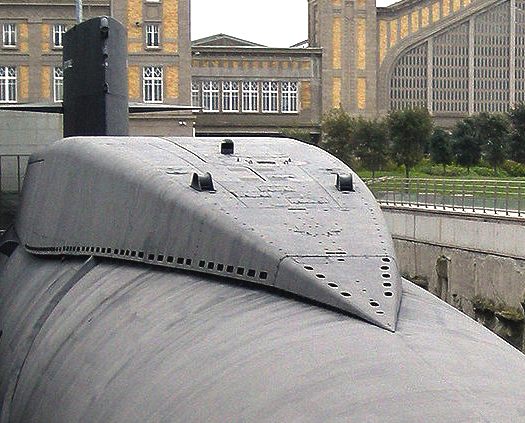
x=387, y=284
x=333, y=285
x=220, y=267
x=386, y=259
x=308, y=267
x=388, y=294
x=385, y=267
x=251, y=273
x=229, y=269
x=346, y=294
x=320, y=276
x=386, y=275
x=202, y=263
x=263, y=275
x=374, y=303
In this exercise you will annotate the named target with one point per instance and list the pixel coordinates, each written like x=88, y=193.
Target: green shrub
x=486, y=171
x=513, y=168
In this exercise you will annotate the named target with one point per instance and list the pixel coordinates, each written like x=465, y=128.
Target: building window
x=152, y=35
x=152, y=84
x=289, y=92
x=9, y=35
x=269, y=97
x=58, y=84
x=58, y=34
x=210, y=96
x=7, y=84
x=195, y=94
x=250, y=96
x=230, y=96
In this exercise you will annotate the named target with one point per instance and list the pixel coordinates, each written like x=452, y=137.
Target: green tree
x=372, y=143
x=517, y=134
x=466, y=144
x=492, y=130
x=336, y=127
x=299, y=134
x=441, y=148
x=410, y=131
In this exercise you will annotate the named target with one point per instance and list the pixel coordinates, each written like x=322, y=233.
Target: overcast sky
x=275, y=23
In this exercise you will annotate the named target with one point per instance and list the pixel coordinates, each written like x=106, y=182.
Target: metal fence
x=489, y=196
x=12, y=172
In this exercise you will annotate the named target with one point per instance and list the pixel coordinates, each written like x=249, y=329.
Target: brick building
x=456, y=57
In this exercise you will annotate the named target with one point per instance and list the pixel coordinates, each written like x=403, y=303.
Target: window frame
x=156, y=83
x=271, y=94
x=8, y=34
x=156, y=26
x=289, y=95
x=58, y=84
x=230, y=96
x=195, y=94
x=8, y=81
x=214, y=96
x=248, y=95
x=58, y=29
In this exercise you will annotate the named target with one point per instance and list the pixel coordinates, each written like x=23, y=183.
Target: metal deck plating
x=274, y=215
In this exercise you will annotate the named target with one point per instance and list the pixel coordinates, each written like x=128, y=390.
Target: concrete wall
x=477, y=264
x=21, y=134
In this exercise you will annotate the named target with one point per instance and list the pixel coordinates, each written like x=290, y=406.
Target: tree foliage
x=336, y=128
x=441, y=148
x=299, y=134
x=466, y=144
x=492, y=131
x=410, y=130
x=371, y=141
x=517, y=135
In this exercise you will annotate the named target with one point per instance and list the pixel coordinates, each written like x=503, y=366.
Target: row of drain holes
x=159, y=258
x=373, y=303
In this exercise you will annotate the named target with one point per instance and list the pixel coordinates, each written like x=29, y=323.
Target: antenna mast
x=79, y=16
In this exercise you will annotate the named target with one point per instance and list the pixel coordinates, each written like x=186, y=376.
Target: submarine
x=173, y=279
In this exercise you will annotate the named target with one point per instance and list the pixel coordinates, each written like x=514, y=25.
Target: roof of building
x=224, y=40
x=301, y=44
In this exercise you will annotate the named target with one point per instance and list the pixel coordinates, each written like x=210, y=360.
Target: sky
x=274, y=23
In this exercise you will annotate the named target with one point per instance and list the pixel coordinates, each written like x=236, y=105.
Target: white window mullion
x=250, y=96
x=195, y=94
x=289, y=97
x=210, y=96
x=230, y=96
x=153, y=84
x=58, y=84
x=9, y=35
x=152, y=35
x=8, y=77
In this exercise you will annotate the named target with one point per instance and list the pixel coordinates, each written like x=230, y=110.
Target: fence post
x=507, y=199
x=495, y=198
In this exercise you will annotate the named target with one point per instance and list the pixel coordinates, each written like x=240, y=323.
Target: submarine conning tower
x=272, y=212
x=95, y=79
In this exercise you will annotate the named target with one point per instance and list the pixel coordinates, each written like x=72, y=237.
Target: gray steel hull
x=110, y=341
